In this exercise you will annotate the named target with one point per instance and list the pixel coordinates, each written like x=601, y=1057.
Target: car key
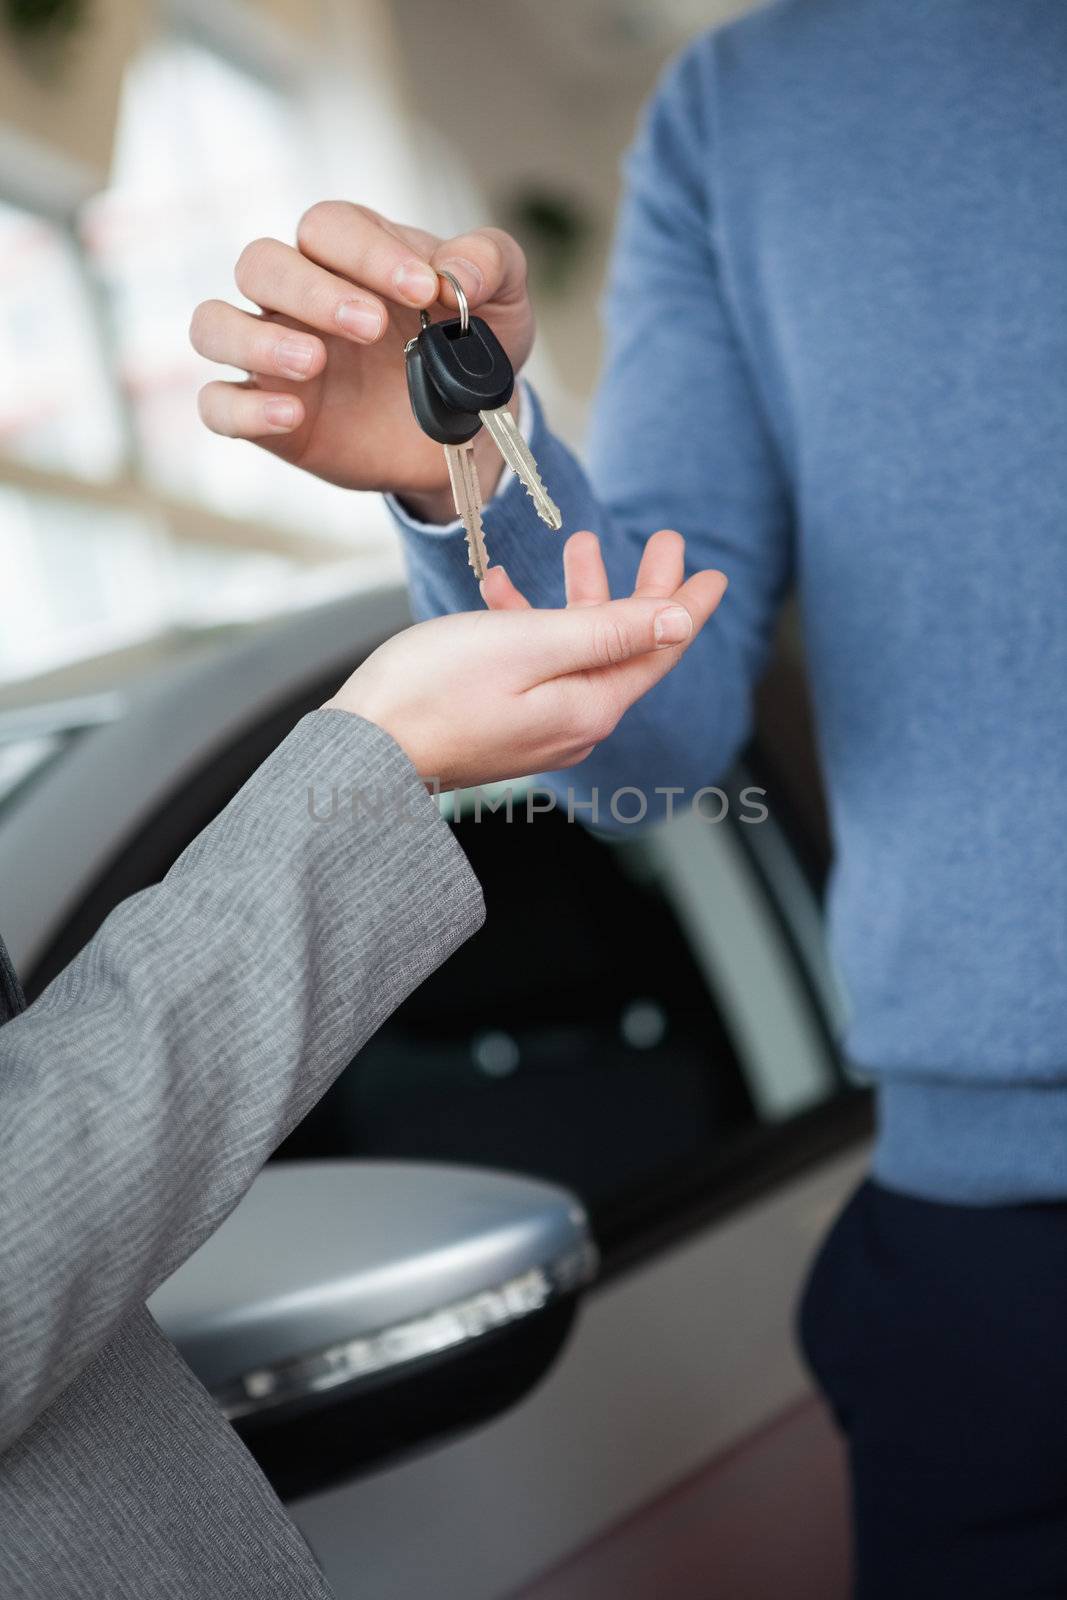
x=468, y=366
x=454, y=430
x=467, y=498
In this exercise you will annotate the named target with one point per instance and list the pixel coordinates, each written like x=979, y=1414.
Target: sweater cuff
x=507, y=478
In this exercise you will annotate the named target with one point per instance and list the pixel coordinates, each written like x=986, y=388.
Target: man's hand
x=496, y=694
x=326, y=387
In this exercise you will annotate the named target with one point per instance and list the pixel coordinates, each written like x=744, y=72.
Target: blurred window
x=98, y=381
x=81, y=579
x=57, y=407
x=78, y=580
x=207, y=157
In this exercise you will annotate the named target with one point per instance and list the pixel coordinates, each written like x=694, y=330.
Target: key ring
x=461, y=298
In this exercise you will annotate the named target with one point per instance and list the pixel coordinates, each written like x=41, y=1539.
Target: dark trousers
x=938, y=1333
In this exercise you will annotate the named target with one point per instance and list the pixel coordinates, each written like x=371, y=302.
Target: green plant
x=43, y=19
x=554, y=231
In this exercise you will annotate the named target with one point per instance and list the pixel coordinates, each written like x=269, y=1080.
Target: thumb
x=587, y=637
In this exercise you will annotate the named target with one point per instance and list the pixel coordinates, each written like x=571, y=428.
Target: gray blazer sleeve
x=143, y=1091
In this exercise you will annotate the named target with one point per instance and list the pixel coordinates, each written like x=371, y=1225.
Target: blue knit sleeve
x=678, y=440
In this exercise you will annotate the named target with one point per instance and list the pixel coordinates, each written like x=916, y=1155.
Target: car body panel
x=669, y=1368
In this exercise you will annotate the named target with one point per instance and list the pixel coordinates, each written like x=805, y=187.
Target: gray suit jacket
x=139, y=1097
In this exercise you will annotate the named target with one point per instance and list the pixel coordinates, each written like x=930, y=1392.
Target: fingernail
x=357, y=317
x=294, y=356
x=416, y=282
x=281, y=414
x=673, y=625
x=468, y=274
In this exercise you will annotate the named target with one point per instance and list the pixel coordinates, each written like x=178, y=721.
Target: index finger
x=363, y=247
x=489, y=264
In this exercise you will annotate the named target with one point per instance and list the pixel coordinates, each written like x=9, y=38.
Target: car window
x=596, y=1031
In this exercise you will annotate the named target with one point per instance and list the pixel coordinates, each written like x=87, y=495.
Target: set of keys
x=460, y=380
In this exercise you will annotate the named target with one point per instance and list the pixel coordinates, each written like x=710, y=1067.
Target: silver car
x=510, y=1313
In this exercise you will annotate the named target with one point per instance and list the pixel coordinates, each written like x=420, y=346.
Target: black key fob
x=433, y=415
x=470, y=370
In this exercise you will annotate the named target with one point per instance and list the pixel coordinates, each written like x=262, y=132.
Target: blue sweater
x=837, y=361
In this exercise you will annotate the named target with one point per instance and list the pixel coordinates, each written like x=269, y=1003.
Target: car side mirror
x=350, y=1310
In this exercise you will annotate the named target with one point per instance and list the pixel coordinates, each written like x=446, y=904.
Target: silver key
x=467, y=496
x=504, y=432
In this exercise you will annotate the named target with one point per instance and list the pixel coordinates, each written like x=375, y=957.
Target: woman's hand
x=509, y=691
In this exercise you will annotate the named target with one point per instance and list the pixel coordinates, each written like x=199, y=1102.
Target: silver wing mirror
x=348, y=1310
